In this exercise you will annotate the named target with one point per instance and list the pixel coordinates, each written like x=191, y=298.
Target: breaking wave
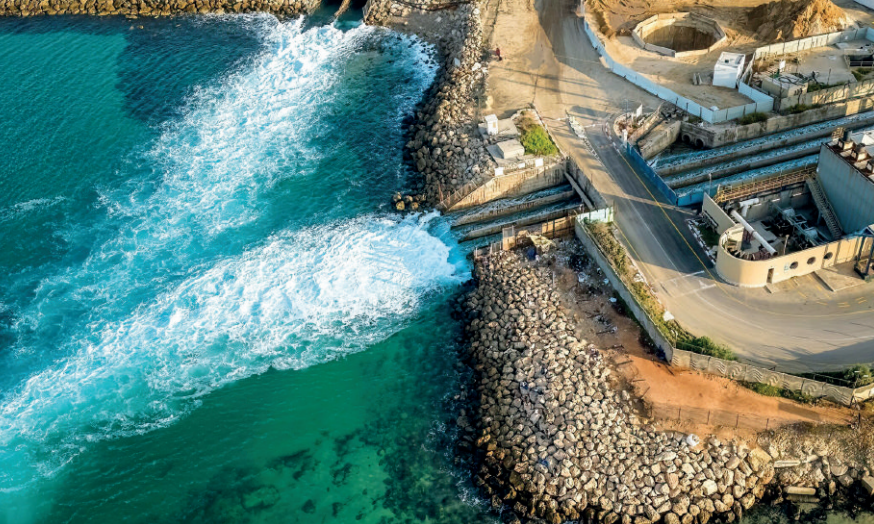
x=197, y=284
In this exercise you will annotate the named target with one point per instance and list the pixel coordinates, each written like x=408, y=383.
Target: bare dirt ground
x=676, y=73
x=667, y=387
x=744, y=35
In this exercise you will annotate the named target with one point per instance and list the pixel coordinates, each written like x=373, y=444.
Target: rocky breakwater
x=556, y=440
x=445, y=144
x=152, y=7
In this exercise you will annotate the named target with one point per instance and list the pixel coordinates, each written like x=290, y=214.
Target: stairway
x=825, y=207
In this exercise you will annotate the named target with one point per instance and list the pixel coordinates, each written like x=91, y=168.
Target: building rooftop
x=857, y=149
x=730, y=59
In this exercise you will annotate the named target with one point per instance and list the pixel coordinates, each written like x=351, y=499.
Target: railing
x=726, y=193
x=828, y=212
x=728, y=419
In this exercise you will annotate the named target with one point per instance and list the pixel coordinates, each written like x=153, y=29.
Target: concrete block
x=787, y=463
x=709, y=488
x=798, y=490
x=511, y=149
x=868, y=485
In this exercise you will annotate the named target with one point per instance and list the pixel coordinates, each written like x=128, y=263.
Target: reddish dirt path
x=669, y=388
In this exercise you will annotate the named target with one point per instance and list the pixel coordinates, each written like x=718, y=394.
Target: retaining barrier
x=650, y=173
x=761, y=101
x=749, y=373
x=712, y=365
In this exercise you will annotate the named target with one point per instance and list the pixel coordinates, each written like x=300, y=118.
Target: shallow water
x=207, y=312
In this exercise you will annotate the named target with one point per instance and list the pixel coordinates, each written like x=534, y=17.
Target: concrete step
x=527, y=218
x=510, y=206
x=676, y=164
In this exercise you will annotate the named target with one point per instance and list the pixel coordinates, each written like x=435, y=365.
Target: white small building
x=728, y=69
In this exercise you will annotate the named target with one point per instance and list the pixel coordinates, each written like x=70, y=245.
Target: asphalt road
x=803, y=327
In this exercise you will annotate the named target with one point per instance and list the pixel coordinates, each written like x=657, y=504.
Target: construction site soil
x=748, y=24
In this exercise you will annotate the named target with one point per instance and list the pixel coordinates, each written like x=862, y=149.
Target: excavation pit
x=679, y=34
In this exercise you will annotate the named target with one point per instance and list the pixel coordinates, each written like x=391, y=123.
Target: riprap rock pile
x=558, y=441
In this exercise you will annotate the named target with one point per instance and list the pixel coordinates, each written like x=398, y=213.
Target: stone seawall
x=445, y=144
x=558, y=440
x=152, y=7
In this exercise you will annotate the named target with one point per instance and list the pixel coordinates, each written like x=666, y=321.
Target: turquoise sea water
x=207, y=312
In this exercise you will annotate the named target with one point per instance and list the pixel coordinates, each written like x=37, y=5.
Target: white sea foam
x=301, y=299
x=134, y=359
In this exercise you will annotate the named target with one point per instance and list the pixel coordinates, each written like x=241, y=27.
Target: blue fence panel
x=650, y=174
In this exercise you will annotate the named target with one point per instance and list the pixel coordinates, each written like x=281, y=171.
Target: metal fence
x=650, y=173
x=728, y=419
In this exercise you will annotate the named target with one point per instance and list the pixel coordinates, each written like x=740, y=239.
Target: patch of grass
x=854, y=376
x=534, y=138
x=774, y=391
x=800, y=108
x=705, y=346
x=859, y=76
x=816, y=86
x=537, y=142
x=763, y=389
x=752, y=118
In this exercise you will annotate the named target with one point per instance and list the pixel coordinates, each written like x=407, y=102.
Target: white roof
x=491, y=118
x=731, y=59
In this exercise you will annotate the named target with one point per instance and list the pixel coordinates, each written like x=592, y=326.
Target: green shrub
x=705, y=346
x=763, y=389
x=537, y=142
x=708, y=235
x=774, y=391
x=854, y=376
x=752, y=118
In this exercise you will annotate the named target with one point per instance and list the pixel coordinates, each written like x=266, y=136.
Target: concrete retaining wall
x=749, y=373
x=759, y=273
x=631, y=301
x=662, y=136
x=514, y=184
x=718, y=137
x=827, y=96
x=585, y=184
x=663, y=20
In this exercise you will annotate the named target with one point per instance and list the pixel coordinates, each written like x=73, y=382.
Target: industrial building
x=799, y=223
x=728, y=70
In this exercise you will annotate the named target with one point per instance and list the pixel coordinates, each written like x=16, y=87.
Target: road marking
x=844, y=304
x=695, y=254
x=861, y=300
x=822, y=303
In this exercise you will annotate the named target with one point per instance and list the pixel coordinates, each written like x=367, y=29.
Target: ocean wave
x=163, y=312
x=302, y=298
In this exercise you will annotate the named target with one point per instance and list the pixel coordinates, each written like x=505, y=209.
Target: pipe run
x=735, y=215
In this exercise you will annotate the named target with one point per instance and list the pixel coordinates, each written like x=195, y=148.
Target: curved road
x=804, y=327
